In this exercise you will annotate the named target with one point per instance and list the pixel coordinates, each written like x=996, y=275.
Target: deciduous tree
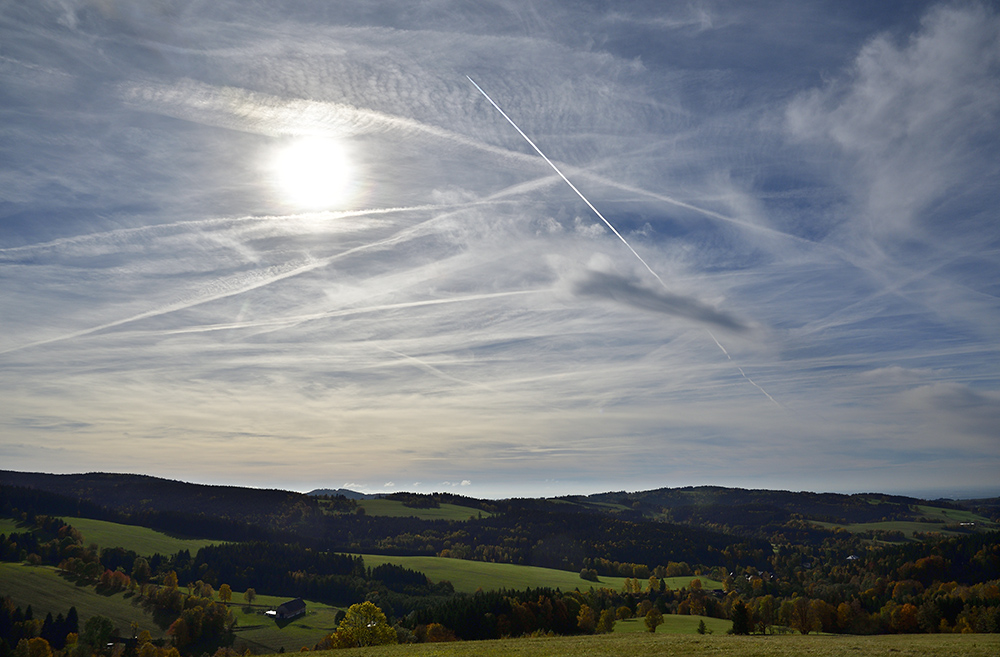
x=586, y=620
x=606, y=623
x=364, y=625
x=654, y=619
x=97, y=630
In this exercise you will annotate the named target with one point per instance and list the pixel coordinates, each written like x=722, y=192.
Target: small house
x=286, y=610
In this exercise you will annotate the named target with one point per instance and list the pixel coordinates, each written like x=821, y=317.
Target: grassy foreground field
x=650, y=645
x=467, y=576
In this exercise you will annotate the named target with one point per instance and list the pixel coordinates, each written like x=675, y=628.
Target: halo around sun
x=314, y=173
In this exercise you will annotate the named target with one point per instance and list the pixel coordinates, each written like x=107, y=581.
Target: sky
x=292, y=245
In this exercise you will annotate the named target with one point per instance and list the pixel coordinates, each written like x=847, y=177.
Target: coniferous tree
x=72, y=621
x=741, y=618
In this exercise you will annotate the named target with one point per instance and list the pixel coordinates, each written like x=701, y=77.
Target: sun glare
x=314, y=173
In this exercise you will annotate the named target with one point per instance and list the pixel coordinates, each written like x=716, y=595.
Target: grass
x=952, y=515
x=644, y=644
x=140, y=539
x=261, y=633
x=396, y=509
x=46, y=590
x=467, y=576
x=933, y=513
x=675, y=624
x=907, y=527
x=9, y=526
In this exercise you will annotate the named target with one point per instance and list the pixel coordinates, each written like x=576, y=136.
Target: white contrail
x=608, y=224
x=752, y=382
x=571, y=185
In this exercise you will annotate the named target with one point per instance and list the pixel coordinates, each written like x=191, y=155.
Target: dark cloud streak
x=620, y=289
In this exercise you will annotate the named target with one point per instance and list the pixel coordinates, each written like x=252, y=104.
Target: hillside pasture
x=138, y=539
x=261, y=633
x=644, y=644
x=468, y=576
x=951, y=516
x=396, y=509
x=10, y=526
x=927, y=518
x=47, y=590
x=907, y=527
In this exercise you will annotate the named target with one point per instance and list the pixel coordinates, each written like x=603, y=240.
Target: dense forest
x=785, y=560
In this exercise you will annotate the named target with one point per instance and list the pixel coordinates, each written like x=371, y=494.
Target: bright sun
x=314, y=173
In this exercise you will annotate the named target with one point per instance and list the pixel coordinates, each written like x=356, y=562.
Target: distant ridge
x=345, y=492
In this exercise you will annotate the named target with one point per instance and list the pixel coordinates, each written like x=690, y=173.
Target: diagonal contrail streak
x=571, y=185
x=752, y=382
x=608, y=224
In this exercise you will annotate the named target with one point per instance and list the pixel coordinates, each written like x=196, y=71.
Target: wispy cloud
x=816, y=188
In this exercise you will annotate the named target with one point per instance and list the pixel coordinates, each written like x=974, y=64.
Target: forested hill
x=132, y=494
x=530, y=532
x=707, y=525
x=763, y=512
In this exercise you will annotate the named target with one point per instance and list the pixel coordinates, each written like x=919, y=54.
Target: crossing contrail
x=607, y=223
x=571, y=185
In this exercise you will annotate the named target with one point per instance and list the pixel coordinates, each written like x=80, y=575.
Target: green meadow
x=644, y=644
x=139, y=539
x=262, y=633
x=468, y=576
x=9, y=526
x=46, y=590
x=674, y=624
x=938, y=517
x=953, y=515
x=396, y=509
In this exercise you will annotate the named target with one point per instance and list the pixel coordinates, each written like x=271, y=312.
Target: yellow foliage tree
x=363, y=625
x=654, y=619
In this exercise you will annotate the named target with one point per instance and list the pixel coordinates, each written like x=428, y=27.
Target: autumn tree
x=225, y=593
x=586, y=620
x=180, y=632
x=141, y=571
x=364, y=625
x=35, y=647
x=654, y=619
x=606, y=623
x=765, y=613
x=250, y=595
x=803, y=616
x=438, y=633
